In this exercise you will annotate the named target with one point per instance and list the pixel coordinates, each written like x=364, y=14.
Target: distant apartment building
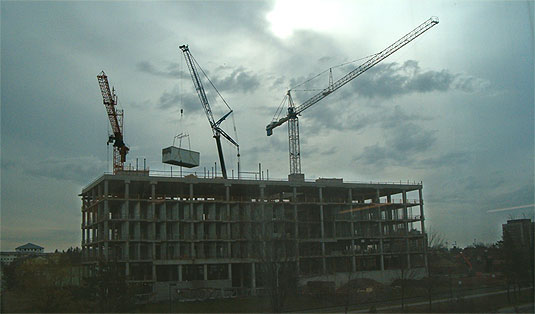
x=191, y=232
x=519, y=233
x=23, y=250
x=29, y=248
x=7, y=258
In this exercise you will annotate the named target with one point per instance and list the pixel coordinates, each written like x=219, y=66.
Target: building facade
x=191, y=232
x=30, y=248
x=519, y=233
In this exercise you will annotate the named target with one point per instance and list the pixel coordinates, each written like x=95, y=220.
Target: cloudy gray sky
x=454, y=108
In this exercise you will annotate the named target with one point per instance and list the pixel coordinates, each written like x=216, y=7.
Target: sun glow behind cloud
x=288, y=16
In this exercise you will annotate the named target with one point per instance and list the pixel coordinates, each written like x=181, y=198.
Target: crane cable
x=224, y=101
x=283, y=102
x=210, y=82
x=180, y=67
x=336, y=66
x=108, y=151
x=280, y=108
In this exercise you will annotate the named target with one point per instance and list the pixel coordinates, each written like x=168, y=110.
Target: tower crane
x=294, y=110
x=215, y=125
x=116, y=120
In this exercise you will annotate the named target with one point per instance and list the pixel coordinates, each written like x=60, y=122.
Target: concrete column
x=84, y=215
x=153, y=272
x=230, y=272
x=422, y=220
x=127, y=224
x=296, y=231
x=253, y=278
x=352, y=218
x=127, y=269
x=84, y=223
x=179, y=272
x=379, y=217
x=99, y=191
x=83, y=237
x=205, y=270
x=406, y=226
x=389, y=214
x=163, y=231
x=227, y=224
x=152, y=225
x=323, y=260
x=241, y=275
x=105, y=224
x=263, y=209
x=192, y=225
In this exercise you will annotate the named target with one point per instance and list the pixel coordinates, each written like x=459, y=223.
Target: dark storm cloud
x=358, y=119
x=446, y=160
x=75, y=170
x=238, y=79
x=171, y=71
x=391, y=118
x=225, y=79
x=402, y=144
x=521, y=196
x=330, y=118
x=470, y=84
x=387, y=80
x=175, y=99
x=492, y=181
x=483, y=191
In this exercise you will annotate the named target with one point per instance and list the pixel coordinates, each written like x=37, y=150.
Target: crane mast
x=216, y=129
x=116, y=120
x=294, y=111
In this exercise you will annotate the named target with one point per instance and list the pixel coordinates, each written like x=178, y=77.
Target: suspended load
x=180, y=157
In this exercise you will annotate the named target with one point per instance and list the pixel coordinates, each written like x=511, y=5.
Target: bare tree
x=405, y=276
x=405, y=273
x=277, y=264
x=435, y=246
x=350, y=277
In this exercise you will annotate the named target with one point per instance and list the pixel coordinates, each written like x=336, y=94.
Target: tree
x=45, y=281
x=9, y=273
x=109, y=289
x=405, y=275
x=277, y=264
x=435, y=245
x=349, y=283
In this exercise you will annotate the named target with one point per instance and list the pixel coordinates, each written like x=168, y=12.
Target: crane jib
x=116, y=120
x=214, y=125
x=294, y=111
x=375, y=59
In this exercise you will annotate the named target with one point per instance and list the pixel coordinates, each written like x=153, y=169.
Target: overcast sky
x=454, y=108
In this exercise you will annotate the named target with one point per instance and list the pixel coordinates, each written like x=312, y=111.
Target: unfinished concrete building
x=191, y=232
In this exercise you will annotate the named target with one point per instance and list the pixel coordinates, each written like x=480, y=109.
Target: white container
x=180, y=157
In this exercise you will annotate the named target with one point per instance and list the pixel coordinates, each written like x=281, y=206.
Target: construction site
x=205, y=233
x=216, y=233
